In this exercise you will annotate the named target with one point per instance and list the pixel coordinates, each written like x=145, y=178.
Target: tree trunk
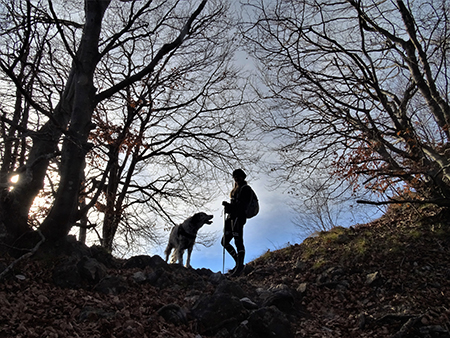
x=112, y=216
x=63, y=213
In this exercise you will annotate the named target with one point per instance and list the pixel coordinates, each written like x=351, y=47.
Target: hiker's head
x=239, y=175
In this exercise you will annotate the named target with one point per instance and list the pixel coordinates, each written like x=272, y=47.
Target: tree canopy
x=360, y=90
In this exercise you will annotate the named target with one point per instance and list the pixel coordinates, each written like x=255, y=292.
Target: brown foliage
x=406, y=252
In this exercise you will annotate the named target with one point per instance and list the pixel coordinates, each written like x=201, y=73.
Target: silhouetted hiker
x=236, y=217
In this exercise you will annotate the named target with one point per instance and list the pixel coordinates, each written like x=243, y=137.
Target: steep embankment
x=387, y=278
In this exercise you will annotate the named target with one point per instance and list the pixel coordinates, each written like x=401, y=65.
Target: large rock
x=283, y=300
x=217, y=312
x=266, y=322
x=173, y=313
x=230, y=287
x=112, y=285
x=104, y=257
x=91, y=270
x=66, y=274
x=76, y=273
x=143, y=261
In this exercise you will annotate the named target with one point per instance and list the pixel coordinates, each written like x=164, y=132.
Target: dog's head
x=201, y=218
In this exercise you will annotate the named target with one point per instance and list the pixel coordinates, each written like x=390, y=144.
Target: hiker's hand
x=227, y=206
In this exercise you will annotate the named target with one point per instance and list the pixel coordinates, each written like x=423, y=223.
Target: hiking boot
x=231, y=271
x=234, y=255
x=239, y=266
x=238, y=271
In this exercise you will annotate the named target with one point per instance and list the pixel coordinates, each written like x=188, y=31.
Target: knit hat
x=239, y=173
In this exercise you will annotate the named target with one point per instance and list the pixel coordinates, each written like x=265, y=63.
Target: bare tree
x=163, y=152
x=361, y=91
x=110, y=63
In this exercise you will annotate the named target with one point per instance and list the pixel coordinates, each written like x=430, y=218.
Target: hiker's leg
x=238, y=235
x=239, y=265
x=226, y=239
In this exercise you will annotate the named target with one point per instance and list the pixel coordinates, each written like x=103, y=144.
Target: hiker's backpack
x=253, y=206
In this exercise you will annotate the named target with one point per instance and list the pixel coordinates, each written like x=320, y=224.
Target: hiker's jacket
x=240, y=199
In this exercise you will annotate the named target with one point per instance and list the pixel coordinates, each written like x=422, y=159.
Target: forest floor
x=388, y=278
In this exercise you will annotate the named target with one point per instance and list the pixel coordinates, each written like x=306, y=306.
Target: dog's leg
x=173, y=258
x=180, y=256
x=188, y=259
x=168, y=251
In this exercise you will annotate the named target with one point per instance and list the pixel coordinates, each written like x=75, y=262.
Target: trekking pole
x=223, y=260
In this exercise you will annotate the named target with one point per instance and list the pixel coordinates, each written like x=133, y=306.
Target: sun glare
x=14, y=179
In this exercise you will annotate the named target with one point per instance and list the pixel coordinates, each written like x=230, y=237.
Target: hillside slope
x=389, y=278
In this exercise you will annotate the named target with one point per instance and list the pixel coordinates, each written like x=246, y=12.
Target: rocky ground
x=389, y=278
